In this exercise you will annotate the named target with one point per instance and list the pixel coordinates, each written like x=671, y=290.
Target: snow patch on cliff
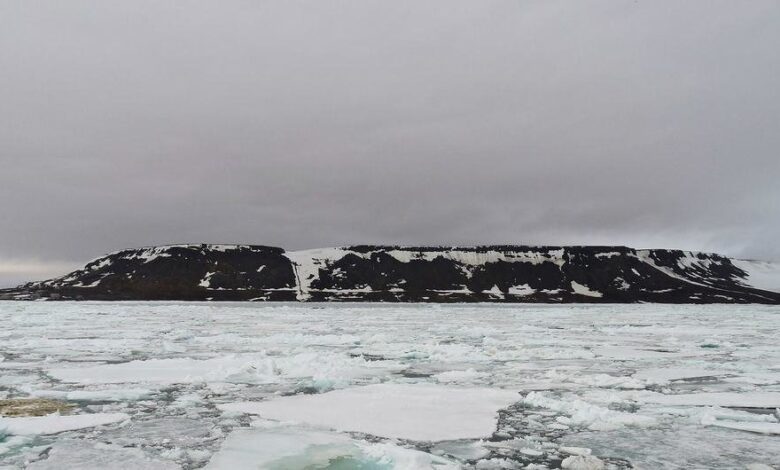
x=763, y=275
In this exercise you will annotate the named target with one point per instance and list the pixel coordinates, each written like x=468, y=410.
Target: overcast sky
x=320, y=123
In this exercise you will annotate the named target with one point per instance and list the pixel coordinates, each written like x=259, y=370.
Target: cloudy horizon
x=311, y=124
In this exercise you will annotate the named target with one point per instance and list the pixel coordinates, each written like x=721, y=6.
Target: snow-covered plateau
x=284, y=386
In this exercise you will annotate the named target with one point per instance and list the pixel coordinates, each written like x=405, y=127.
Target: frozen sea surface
x=370, y=386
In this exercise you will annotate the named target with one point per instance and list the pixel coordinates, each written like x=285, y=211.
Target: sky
x=302, y=124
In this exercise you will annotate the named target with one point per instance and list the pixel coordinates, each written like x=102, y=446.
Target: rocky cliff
x=549, y=274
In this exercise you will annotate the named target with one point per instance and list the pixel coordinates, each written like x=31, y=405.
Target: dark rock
x=549, y=274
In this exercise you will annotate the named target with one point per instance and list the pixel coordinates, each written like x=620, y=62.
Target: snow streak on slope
x=307, y=263
x=763, y=275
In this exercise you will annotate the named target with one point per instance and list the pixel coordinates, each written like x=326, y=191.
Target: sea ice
x=582, y=462
x=283, y=449
x=121, y=394
x=417, y=412
x=725, y=399
x=72, y=454
x=663, y=375
x=761, y=428
x=587, y=415
x=52, y=424
x=235, y=368
x=660, y=386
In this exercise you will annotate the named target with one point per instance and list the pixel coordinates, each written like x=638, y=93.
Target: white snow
x=667, y=374
x=758, y=466
x=94, y=283
x=760, y=428
x=206, y=281
x=454, y=376
x=307, y=263
x=102, y=264
x=582, y=462
x=234, y=368
x=623, y=285
x=297, y=449
x=480, y=258
x=462, y=290
x=121, y=394
x=628, y=353
x=52, y=424
x=584, y=290
x=597, y=380
x=726, y=399
x=418, y=412
x=760, y=274
x=522, y=289
x=494, y=291
x=587, y=415
x=148, y=254
x=72, y=454
x=575, y=450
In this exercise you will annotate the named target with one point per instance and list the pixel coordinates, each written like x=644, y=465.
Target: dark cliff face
x=406, y=274
x=186, y=272
x=523, y=274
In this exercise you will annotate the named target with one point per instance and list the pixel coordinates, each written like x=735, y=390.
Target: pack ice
x=165, y=385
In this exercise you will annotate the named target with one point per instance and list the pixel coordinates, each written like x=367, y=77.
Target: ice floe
x=664, y=375
x=53, y=424
x=588, y=415
x=326, y=369
x=417, y=412
x=301, y=449
x=582, y=462
x=82, y=455
x=121, y=394
x=761, y=428
x=725, y=399
x=662, y=386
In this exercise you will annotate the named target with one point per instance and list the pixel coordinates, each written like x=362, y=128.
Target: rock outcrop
x=544, y=274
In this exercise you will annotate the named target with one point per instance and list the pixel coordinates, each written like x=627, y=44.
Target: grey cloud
x=305, y=124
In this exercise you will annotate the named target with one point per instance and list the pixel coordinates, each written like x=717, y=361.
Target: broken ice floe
x=53, y=424
x=416, y=412
x=670, y=385
x=294, y=448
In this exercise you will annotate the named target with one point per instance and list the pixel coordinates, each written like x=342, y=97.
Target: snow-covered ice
x=54, y=424
x=73, y=454
x=304, y=449
x=418, y=412
x=728, y=399
x=165, y=385
x=128, y=394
